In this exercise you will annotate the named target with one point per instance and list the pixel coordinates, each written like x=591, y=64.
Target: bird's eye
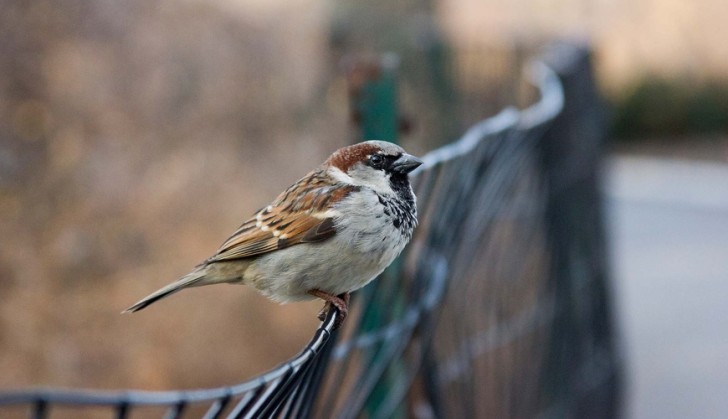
x=376, y=161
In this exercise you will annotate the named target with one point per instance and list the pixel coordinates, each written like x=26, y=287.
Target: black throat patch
x=402, y=210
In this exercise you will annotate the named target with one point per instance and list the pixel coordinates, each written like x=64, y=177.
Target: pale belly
x=335, y=266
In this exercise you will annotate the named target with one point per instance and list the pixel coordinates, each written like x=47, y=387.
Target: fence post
x=582, y=367
x=373, y=96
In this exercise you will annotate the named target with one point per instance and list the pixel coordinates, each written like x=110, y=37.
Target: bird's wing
x=301, y=214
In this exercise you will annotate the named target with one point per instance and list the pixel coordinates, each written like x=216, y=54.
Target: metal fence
x=499, y=308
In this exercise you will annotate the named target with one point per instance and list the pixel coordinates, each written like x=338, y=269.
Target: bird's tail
x=194, y=278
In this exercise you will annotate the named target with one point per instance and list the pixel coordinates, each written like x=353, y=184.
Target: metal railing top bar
x=552, y=95
x=504, y=120
x=549, y=105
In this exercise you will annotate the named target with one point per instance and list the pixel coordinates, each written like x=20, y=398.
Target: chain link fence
x=500, y=307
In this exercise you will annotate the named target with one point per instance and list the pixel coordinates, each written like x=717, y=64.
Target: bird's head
x=378, y=165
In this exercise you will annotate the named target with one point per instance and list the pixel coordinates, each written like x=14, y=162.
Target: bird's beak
x=405, y=164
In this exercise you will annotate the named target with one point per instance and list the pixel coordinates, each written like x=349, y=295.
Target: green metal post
x=375, y=115
x=373, y=93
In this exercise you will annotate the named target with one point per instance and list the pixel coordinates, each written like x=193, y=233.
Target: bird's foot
x=340, y=302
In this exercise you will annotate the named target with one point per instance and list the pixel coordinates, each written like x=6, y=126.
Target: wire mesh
x=499, y=308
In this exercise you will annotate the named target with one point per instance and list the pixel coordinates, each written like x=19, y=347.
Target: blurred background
x=135, y=136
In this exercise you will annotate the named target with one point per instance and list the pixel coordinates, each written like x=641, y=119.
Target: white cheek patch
x=376, y=180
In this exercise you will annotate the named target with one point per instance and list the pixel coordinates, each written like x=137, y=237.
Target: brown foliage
x=135, y=136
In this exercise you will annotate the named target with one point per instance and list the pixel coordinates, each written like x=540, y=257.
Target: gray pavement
x=668, y=225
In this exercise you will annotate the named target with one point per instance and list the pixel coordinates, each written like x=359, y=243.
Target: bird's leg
x=346, y=297
x=341, y=302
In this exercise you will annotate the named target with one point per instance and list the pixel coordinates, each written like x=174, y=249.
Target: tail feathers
x=190, y=280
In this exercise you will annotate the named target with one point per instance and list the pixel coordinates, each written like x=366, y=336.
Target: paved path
x=669, y=236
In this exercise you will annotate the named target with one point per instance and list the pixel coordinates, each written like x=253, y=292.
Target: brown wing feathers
x=293, y=218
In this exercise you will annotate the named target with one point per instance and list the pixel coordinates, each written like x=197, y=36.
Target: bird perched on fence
x=325, y=236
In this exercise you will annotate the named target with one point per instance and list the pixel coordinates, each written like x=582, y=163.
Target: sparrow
x=327, y=235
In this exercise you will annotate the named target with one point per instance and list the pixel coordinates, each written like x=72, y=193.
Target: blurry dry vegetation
x=135, y=135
